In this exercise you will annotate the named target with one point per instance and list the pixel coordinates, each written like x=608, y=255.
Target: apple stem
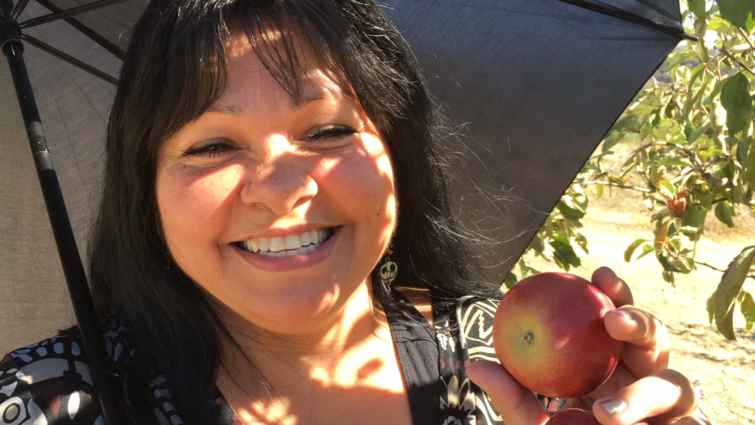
x=528, y=337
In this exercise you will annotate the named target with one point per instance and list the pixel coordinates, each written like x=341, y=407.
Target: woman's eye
x=331, y=132
x=210, y=149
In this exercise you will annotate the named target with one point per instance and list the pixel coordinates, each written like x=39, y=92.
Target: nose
x=280, y=182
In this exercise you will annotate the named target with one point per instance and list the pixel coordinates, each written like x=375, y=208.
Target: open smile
x=288, y=246
x=289, y=252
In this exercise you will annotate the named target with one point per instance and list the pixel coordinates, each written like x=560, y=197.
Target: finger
x=665, y=396
x=516, y=404
x=647, y=351
x=691, y=420
x=616, y=289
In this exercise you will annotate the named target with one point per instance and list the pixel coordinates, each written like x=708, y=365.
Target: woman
x=270, y=164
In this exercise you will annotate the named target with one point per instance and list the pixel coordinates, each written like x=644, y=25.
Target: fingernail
x=614, y=406
x=625, y=314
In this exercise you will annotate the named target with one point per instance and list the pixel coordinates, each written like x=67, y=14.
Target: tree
x=696, y=155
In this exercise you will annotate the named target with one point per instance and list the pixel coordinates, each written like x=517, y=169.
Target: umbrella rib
x=94, y=35
x=68, y=58
x=62, y=14
x=20, y=6
x=620, y=14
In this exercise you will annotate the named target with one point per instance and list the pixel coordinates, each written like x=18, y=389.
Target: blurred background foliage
x=686, y=144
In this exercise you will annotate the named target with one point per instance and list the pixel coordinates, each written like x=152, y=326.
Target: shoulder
x=49, y=381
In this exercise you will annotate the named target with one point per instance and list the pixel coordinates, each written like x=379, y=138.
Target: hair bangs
x=279, y=33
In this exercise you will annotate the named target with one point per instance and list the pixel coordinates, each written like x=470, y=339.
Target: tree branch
x=746, y=37
x=729, y=55
x=623, y=186
x=751, y=275
x=690, y=154
x=701, y=166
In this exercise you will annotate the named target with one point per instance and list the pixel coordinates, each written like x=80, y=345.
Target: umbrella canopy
x=530, y=87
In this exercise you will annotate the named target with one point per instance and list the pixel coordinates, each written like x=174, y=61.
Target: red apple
x=548, y=333
x=573, y=417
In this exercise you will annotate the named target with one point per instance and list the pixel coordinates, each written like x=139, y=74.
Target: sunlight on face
x=260, y=172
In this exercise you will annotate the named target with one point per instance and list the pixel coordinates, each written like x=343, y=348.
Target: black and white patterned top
x=49, y=383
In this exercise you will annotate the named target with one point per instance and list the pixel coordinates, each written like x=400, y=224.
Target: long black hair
x=173, y=71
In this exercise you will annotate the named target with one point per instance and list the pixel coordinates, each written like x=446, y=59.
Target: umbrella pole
x=78, y=288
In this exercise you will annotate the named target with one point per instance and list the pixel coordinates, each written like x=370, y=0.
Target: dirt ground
x=725, y=369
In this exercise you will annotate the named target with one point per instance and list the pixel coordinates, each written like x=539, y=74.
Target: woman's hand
x=641, y=387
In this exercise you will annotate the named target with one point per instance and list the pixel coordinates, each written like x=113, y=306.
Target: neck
x=318, y=351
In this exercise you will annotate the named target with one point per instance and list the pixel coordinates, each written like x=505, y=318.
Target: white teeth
x=277, y=244
x=290, y=245
x=292, y=242
x=264, y=244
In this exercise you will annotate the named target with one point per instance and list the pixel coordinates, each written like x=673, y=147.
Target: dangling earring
x=389, y=269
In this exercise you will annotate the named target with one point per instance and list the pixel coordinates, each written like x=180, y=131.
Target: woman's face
x=278, y=208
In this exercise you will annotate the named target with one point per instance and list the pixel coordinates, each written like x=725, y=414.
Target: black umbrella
x=529, y=86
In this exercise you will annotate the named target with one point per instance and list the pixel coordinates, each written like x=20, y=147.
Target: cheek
x=191, y=199
x=362, y=183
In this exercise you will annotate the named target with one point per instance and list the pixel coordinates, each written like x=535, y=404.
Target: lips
x=292, y=259
x=288, y=245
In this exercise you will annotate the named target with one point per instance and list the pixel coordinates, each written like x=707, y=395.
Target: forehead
x=251, y=83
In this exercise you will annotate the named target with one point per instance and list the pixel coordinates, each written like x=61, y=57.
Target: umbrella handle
x=78, y=288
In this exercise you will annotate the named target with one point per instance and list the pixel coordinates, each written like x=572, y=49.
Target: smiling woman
x=264, y=160
x=258, y=170
x=256, y=175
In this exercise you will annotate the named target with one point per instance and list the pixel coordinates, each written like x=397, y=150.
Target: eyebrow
x=295, y=104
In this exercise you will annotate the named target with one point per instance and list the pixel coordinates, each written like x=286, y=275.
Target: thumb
x=516, y=404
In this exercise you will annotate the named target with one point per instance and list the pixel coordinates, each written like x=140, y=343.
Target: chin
x=297, y=312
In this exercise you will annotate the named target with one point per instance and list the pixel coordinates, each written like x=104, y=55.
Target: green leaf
x=582, y=242
x=689, y=128
x=697, y=7
x=666, y=263
x=511, y=280
x=738, y=12
x=570, y=212
x=646, y=249
x=630, y=249
x=537, y=244
x=684, y=266
x=751, y=168
x=699, y=132
x=738, y=103
x=717, y=113
x=705, y=199
x=667, y=189
x=693, y=219
x=599, y=188
x=661, y=214
x=564, y=253
x=724, y=212
x=668, y=277
x=748, y=310
x=692, y=100
x=694, y=216
x=742, y=148
x=738, y=193
x=710, y=305
x=728, y=289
